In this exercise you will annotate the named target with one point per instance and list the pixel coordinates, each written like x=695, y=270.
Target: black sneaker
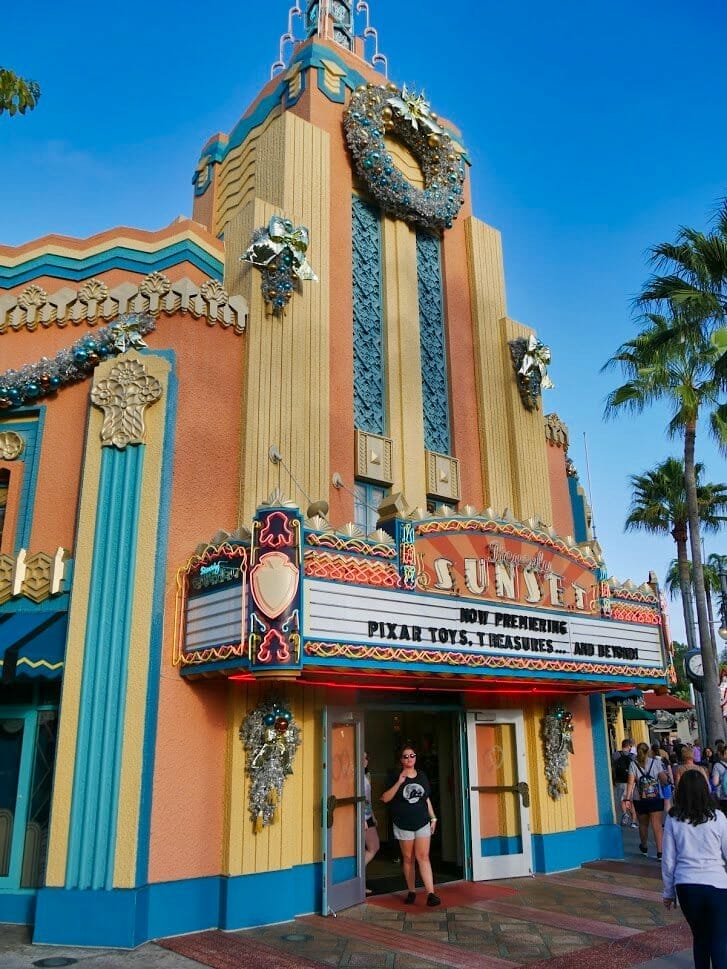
x=433, y=900
x=411, y=897
x=642, y=849
x=658, y=856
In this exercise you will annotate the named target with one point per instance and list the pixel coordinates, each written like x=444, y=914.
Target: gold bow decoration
x=279, y=251
x=415, y=109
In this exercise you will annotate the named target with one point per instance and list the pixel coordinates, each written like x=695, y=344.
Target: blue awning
x=32, y=644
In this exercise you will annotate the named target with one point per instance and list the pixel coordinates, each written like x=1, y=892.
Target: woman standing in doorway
x=409, y=793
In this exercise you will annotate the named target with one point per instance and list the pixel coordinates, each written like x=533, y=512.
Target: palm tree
x=659, y=506
x=711, y=570
x=672, y=361
x=691, y=275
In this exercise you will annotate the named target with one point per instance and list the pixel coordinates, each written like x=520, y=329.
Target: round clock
x=694, y=668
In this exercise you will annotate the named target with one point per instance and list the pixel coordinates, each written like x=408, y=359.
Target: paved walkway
x=607, y=915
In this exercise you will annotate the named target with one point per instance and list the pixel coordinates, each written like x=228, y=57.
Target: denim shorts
x=401, y=834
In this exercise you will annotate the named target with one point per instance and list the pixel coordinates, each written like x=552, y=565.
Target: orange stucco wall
x=562, y=510
x=582, y=766
x=189, y=769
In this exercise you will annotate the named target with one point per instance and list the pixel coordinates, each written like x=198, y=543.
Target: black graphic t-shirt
x=409, y=809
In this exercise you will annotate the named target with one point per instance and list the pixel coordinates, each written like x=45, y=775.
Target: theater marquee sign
x=472, y=595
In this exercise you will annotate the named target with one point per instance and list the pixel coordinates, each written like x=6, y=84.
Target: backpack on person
x=621, y=768
x=647, y=785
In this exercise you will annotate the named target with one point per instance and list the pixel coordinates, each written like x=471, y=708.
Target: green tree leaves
x=17, y=94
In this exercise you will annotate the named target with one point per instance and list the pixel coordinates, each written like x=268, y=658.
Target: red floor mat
x=221, y=950
x=664, y=941
x=455, y=895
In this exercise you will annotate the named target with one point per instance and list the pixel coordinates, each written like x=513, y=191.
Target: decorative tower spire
x=332, y=20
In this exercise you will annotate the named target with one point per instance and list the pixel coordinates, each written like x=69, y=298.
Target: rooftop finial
x=333, y=20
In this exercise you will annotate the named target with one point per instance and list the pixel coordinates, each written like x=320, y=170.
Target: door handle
x=522, y=789
x=333, y=802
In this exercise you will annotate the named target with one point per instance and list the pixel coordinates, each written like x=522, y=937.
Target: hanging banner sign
x=336, y=612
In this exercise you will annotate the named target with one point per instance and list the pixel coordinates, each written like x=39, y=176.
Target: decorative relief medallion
x=11, y=445
x=374, y=457
x=442, y=476
x=556, y=431
x=124, y=396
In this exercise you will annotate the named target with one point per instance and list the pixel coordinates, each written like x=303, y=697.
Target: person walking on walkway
x=622, y=761
x=694, y=868
x=687, y=764
x=409, y=793
x=646, y=774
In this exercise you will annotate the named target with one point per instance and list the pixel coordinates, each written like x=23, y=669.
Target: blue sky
x=595, y=130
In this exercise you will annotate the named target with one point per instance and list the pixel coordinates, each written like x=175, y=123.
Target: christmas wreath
x=377, y=110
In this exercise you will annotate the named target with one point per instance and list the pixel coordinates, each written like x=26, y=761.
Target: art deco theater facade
x=277, y=486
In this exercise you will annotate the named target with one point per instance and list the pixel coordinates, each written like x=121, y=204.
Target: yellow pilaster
x=403, y=366
x=295, y=837
x=528, y=456
x=286, y=382
x=487, y=292
x=136, y=687
x=547, y=816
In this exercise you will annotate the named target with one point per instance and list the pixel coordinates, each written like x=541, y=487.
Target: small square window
x=367, y=499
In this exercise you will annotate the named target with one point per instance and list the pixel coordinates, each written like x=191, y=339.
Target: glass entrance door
x=499, y=795
x=27, y=754
x=343, y=810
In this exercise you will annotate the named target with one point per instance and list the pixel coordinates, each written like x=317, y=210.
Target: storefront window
x=36, y=829
x=11, y=745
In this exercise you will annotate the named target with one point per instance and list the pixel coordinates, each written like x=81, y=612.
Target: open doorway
x=436, y=736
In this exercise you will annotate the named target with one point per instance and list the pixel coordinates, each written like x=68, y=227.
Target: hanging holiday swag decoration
x=74, y=363
x=558, y=742
x=271, y=738
x=279, y=251
x=378, y=110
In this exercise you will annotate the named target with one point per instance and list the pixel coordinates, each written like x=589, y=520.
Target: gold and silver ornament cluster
x=530, y=360
x=279, y=251
x=557, y=732
x=271, y=738
x=380, y=110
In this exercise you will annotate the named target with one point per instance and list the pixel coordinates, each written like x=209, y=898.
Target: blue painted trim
x=369, y=390
x=17, y=907
x=578, y=507
x=492, y=847
x=125, y=918
x=433, y=346
x=92, y=836
x=237, y=664
x=363, y=664
x=569, y=849
x=343, y=869
x=601, y=759
x=29, y=425
x=118, y=257
x=156, y=640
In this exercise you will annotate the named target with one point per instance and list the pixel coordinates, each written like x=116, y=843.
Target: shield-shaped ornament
x=274, y=582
